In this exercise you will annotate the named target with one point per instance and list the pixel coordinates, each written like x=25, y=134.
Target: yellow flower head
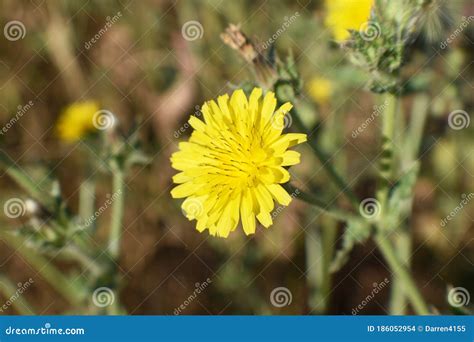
x=77, y=120
x=344, y=15
x=234, y=162
x=320, y=89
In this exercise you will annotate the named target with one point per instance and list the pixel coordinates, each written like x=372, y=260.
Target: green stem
x=387, y=160
x=24, y=181
x=319, y=252
x=398, y=299
x=321, y=205
x=324, y=159
x=411, y=142
x=401, y=272
x=44, y=267
x=117, y=212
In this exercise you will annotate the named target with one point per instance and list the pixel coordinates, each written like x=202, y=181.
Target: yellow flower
x=320, y=89
x=343, y=15
x=77, y=120
x=234, y=162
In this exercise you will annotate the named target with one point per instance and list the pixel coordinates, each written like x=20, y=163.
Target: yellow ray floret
x=345, y=15
x=234, y=162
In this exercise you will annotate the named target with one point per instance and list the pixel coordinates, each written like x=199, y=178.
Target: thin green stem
x=44, y=267
x=324, y=159
x=117, y=212
x=321, y=205
x=398, y=298
x=402, y=273
x=319, y=253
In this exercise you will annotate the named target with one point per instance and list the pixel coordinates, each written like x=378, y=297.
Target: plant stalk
x=402, y=274
x=321, y=205
x=117, y=212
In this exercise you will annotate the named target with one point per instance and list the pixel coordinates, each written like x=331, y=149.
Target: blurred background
x=137, y=59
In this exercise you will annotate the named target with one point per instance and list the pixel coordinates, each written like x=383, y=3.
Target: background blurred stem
x=319, y=252
x=322, y=234
x=117, y=212
x=411, y=146
x=44, y=267
x=402, y=274
x=59, y=44
x=9, y=290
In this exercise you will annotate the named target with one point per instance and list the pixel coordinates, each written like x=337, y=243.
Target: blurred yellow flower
x=343, y=15
x=320, y=89
x=234, y=162
x=77, y=120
